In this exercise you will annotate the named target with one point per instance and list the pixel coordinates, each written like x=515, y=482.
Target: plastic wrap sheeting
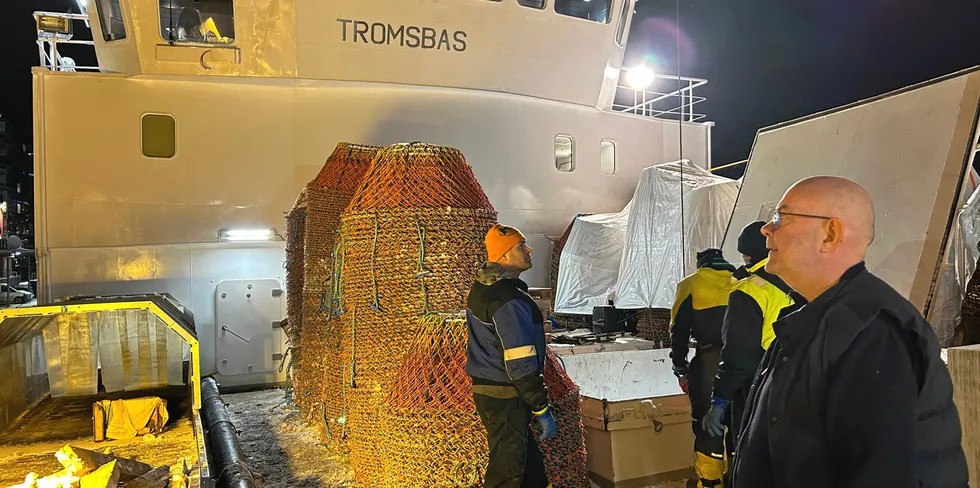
x=652, y=265
x=71, y=348
x=958, y=265
x=135, y=349
x=589, y=264
x=24, y=381
x=648, y=250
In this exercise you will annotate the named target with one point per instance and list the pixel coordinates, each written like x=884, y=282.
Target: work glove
x=547, y=423
x=682, y=382
x=681, y=373
x=714, y=421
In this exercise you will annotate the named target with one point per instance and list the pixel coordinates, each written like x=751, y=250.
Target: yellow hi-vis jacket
x=698, y=311
x=753, y=305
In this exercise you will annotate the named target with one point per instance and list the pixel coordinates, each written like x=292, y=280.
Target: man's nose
x=767, y=229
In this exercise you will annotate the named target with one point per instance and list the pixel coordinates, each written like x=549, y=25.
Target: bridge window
x=111, y=19
x=607, y=157
x=564, y=153
x=159, y=136
x=594, y=10
x=197, y=21
x=538, y=4
x=621, y=29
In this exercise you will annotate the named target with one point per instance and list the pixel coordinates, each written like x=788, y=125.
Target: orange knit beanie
x=501, y=239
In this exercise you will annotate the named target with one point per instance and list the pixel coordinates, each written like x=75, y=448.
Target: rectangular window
x=564, y=153
x=197, y=21
x=607, y=157
x=621, y=28
x=538, y=4
x=594, y=10
x=111, y=20
x=159, y=136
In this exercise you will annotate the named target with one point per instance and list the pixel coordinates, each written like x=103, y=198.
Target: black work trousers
x=515, y=460
x=700, y=380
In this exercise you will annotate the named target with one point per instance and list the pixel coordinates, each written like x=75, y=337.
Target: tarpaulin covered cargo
x=636, y=257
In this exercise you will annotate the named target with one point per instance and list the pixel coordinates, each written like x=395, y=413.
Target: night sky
x=766, y=61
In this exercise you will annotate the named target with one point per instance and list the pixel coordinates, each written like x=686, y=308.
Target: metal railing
x=49, y=39
x=666, y=96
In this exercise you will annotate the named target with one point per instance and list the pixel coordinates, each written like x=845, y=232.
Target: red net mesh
x=326, y=197
x=433, y=436
x=397, y=264
x=420, y=176
x=564, y=454
x=295, y=233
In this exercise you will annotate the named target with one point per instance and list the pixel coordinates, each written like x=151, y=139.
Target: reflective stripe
x=519, y=352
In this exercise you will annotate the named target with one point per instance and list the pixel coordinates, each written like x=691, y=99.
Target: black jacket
x=505, y=343
x=754, y=305
x=852, y=393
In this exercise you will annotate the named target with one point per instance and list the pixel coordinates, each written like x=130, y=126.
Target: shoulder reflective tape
x=520, y=352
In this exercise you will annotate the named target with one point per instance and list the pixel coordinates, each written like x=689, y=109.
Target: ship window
x=111, y=19
x=621, y=29
x=564, y=153
x=607, y=157
x=159, y=136
x=538, y=4
x=197, y=21
x=594, y=10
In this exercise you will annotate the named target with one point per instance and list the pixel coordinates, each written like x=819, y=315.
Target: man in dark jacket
x=505, y=357
x=698, y=312
x=754, y=304
x=852, y=392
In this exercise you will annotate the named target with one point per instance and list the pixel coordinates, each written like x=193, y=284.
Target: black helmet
x=752, y=243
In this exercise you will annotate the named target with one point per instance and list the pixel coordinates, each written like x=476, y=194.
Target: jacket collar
x=800, y=320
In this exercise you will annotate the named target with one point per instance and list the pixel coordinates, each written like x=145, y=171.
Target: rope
x=374, y=277
x=422, y=271
x=680, y=137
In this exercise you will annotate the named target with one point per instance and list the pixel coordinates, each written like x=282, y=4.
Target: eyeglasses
x=777, y=217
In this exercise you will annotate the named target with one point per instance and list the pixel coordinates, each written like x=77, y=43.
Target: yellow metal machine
x=59, y=360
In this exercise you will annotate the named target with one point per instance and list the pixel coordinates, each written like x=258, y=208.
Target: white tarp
x=654, y=260
x=637, y=265
x=589, y=263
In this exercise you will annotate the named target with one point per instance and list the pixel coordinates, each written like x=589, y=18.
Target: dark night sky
x=766, y=61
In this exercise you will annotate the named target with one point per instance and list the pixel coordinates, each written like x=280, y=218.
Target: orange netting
x=420, y=176
x=295, y=233
x=433, y=436
x=326, y=197
x=397, y=263
x=564, y=454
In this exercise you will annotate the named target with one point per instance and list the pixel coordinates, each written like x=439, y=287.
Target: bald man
x=852, y=392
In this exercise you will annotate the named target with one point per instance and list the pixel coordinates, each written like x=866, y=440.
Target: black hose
x=227, y=459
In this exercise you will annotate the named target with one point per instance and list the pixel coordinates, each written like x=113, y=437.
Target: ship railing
x=659, y=95
x=57, y=29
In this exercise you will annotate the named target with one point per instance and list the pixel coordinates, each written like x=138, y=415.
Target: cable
x=680, y=133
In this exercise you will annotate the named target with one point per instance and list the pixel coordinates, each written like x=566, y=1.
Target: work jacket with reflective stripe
x=753, y=305
x=698, y=311
x=506, y=344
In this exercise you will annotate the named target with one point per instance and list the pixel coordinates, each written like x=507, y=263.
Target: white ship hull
x=111, y=220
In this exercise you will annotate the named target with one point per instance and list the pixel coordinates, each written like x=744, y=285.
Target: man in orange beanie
x=505, y=359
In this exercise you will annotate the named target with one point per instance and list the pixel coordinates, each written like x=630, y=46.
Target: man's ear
x=833, y=234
